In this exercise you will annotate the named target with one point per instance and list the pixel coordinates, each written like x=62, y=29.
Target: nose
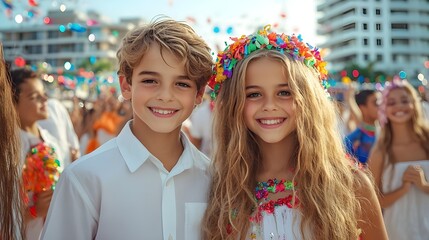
x=269, y=104
x=165, y=94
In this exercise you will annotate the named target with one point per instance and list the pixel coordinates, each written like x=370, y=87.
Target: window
x=366, y=57
x=397, y=26
x=377, y=11
x=365, y=41
x=378, y=26
x=364, y=11
x=365, y=26
x=379, y=57
x=378, y=42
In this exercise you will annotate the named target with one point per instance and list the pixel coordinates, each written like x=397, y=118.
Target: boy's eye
x=182, y=84
x=253, y=95
x=284, y=93
x=148, y=81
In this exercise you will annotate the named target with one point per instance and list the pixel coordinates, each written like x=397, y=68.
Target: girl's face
x=32, y=102
x=269, y=109
x=399, y=106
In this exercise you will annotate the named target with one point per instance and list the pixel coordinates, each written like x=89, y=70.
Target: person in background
x=360, y=141
x=30, y=102
x=59, y=125
x=400, y=163
x=200, y=128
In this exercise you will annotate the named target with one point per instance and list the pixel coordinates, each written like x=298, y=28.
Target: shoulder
x=97, y=161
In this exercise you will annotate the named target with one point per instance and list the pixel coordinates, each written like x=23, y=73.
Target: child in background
x=31, y=105
x=400, y=163
x=149, y=182
x=279, y=169
x=360, y=141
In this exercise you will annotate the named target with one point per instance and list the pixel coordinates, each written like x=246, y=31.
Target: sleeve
x=71, y=213
x=71, y=134
x=349, y=140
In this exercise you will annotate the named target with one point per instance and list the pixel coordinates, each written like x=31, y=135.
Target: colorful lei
x=40, y=172
x=263, y=39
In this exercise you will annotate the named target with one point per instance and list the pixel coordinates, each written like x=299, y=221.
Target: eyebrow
x=181, y=77
x=255, y=86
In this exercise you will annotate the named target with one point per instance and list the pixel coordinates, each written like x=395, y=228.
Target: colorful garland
x=40, y=172
x=245, y=45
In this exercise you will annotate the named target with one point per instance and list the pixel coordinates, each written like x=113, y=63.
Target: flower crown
x=263, y=39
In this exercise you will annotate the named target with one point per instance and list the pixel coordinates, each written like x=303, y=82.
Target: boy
x=360, y=141
x=149, y=182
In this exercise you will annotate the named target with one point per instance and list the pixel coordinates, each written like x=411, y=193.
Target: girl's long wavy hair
x=330, y=208
x=11, y=225
x=418, y=125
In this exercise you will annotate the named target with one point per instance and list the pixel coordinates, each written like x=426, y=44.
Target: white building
x=394, y=33
x=62, y=41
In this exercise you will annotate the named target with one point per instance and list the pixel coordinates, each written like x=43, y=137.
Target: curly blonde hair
x=330, y=207
x=173, y=36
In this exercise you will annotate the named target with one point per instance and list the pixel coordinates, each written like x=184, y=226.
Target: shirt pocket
x=194, y=213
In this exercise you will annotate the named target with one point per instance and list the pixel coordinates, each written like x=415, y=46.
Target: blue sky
x=242, y=17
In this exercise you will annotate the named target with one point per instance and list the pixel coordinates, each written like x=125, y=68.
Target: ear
x=125, y=87
x=200, y=94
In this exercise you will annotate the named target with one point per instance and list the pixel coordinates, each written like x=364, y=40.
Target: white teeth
x=163, y=112
x=399, y=114
x=271, y=122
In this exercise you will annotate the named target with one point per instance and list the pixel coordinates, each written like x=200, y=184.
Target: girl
x=400, y=163
x=31, y=105
x=11, y=226
x=279, y=171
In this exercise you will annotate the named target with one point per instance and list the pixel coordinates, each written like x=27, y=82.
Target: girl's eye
x=284, y=93
x=181, y=84
x=390, y=103
x=253, y=95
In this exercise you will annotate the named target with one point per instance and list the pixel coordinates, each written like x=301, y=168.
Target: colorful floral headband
x=245, y=45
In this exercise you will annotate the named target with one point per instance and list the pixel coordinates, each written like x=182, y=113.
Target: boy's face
x=370, y=109
x=161, y=93
x=32, y=102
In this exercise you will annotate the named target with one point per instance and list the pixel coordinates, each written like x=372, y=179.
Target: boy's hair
x=176, y=37
x=19, y=76
x=419, y=125
x=326, y=183
x=362, y=97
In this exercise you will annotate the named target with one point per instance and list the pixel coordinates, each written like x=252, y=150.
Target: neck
x=276, y=158
x=30, y=128
x=368, y=122
x=402, y=133
x=166, y=147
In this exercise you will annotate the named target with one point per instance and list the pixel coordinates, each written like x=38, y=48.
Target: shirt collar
x=132, y=150
x=136, y=154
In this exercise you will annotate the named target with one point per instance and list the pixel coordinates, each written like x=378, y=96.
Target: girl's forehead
x=398, y=92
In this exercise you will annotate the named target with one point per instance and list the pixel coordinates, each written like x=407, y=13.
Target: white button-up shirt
x=121, y=191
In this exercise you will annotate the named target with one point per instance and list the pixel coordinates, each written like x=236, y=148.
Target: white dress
x=283, y=224
x=408, y=217
x=34, y=226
